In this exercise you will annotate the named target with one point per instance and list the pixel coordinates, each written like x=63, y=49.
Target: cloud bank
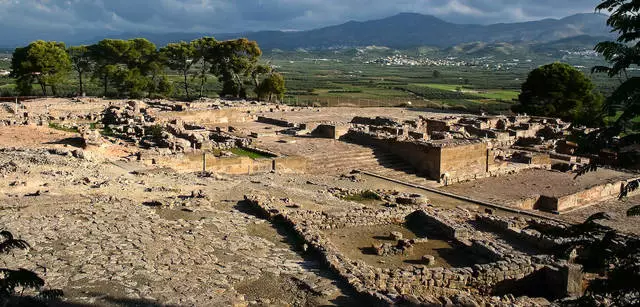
x=26, y=20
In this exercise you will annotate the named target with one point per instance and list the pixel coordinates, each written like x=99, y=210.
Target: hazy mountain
x=486, y=49
x=405, y=30
x=410, y=30
x=571, y=43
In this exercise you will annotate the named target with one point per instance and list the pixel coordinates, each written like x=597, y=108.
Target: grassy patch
x=107, y=132
x=249, y=153
x=363, y=196
x=504, y=95
x=62, y=128
x=497, y=94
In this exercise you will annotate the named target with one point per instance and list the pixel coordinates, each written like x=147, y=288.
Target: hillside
x=408, y=30
x=403, y=31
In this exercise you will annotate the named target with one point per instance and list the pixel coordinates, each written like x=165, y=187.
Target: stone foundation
x=414, y=282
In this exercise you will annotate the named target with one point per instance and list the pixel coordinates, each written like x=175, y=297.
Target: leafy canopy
x=560, y=90
x=46, y=63
x=272, y=88
x=180, y=57
x=622, y=54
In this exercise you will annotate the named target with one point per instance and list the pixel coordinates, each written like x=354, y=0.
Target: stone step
x=395, y=167
x=359, y=161
x=341, y=155
x=399, y=175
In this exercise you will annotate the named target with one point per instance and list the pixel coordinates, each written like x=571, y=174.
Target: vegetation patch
x=363, y=196
x=57, y=126
x=243, y=152
x=107, y=132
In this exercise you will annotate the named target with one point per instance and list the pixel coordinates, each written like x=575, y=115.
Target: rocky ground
x=105, y=235
x=112, y=232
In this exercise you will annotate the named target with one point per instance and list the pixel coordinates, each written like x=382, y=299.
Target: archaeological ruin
x=235, y=202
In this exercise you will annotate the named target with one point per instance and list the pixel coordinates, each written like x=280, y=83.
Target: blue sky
x=25, y=20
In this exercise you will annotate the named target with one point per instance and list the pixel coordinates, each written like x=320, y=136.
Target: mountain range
x=406, y=30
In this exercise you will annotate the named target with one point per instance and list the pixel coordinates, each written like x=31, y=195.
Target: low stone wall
x=414, y=282
x=521, y=231
x=227, y=165
x=451, y=229
x=275, y=121
x=583, y=198
x=293, y=164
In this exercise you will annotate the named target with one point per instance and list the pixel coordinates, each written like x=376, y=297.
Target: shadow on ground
x=77, y=142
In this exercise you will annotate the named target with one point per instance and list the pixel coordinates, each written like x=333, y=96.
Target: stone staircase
x=357, y=157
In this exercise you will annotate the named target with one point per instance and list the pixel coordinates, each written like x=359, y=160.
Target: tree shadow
x=383, y=238
x=459, y=256
x=414, y=262
x=368, y=250
x=131, y=302
x=101, y=298
x=77, y=142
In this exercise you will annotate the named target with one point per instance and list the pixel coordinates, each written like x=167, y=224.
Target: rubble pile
x=135, y=122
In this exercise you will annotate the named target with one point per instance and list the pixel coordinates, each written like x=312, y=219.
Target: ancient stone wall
x=330, y=131
x=275, y=121
x=427, y=285
x=588, y=196
x=224, y=165
x=212, y=117
x=291, y=164
x=464, y=162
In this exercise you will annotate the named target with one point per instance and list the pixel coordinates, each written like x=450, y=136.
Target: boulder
x=396, y=235
x=429, y=260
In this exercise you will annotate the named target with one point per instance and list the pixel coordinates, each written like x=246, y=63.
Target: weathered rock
x=429, y=260
x=396, y=235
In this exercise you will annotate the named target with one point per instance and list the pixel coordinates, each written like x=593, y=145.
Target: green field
x=505, y=95
x=344, y=78
x=351, y=83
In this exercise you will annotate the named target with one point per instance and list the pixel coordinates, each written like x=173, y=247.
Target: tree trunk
x=106, y=84
x=203, y=79
x=81, y=87
x=44, y=88
x=153, y=87
x=186, y=85
x=54, y=92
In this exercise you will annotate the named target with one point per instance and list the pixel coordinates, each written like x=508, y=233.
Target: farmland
x=354, y=77
x=341, y=78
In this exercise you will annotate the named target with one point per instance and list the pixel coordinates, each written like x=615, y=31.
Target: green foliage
x=629, y=187
x=436, y=74
x=634, y=211
x=560, y=90
x=131, y=82
x=204, y=50
x=427, y=92
x=180, y=57
x=165, y=87
x=622, y=54
x=81, y=62
x=233, y=61
x=46, y=63
x=249, y=153
x=155, y=131
x=272, y=88
x=57, y=126
x=107, y=131
x=363, y=196
x=12, y=280
x=131, y=65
